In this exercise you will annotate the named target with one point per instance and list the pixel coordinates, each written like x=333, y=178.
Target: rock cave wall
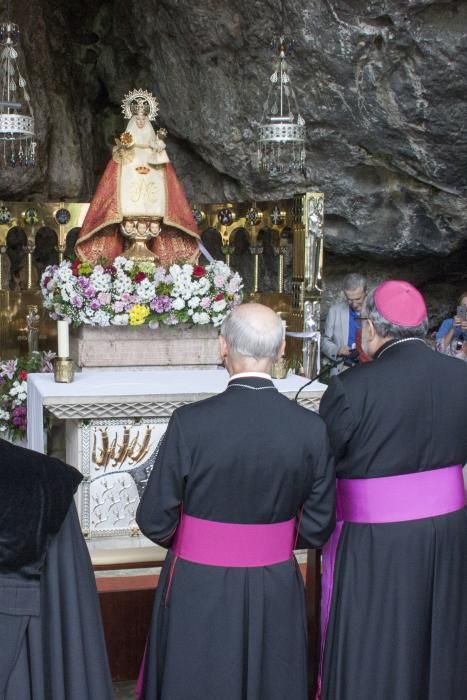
x=380, y=83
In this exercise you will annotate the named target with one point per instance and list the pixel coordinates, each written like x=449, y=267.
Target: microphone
x=330, y=365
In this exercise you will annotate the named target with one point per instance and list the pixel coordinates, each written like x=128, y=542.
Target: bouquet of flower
x=131, y=293
x=13, y=390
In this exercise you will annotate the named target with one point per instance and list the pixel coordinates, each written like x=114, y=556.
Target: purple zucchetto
x=400, y=303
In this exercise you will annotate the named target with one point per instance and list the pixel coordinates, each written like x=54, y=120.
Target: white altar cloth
x=133, y=386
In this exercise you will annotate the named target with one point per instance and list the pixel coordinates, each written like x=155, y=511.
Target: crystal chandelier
x=281, y=147
x=17, y=134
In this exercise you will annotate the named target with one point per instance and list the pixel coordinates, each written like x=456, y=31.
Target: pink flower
x=205, y=303
x=104, y=298
x=219, y=281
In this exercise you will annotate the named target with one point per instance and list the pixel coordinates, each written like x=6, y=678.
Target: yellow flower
x=138, y=314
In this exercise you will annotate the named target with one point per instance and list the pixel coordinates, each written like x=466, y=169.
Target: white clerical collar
x=242, y=375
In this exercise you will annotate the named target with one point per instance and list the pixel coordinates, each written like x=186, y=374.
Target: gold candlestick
x=256, y=251
x=280, y=251
x=2, y=254
x=29, y=250
x=64, y=370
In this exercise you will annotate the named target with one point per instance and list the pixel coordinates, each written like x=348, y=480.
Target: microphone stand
x=339, y=360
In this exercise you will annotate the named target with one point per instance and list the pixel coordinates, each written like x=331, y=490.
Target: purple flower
x=95, y=304
x=89, y=292
x=19, y=411
x=118, y=307
x=47, y=359
x=8, y=368
x=77, y=301
x=83, y=282
x=161, y=304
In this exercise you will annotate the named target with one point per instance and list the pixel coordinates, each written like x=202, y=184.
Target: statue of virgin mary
x=139, y=190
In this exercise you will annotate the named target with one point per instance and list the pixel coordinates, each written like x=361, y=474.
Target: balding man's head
x=253, y=330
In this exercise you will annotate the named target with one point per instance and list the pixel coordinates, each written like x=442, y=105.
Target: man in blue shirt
x=343, y=322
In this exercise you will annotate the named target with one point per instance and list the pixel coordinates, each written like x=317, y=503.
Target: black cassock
x=51, y=639
x=398, y=622
x=248, y=455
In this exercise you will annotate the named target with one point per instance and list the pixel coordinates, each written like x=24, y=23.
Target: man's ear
x=222, y=347
x=371, y=330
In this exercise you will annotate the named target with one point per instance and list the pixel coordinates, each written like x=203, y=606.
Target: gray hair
x=245, y=339
x=385, y=328
x=354, y=281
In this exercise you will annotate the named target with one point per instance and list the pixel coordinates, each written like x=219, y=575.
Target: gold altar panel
x=299, y=219
x=45, y=212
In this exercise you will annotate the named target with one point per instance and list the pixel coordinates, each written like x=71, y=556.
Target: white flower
x=202, y=287
x=145, y=290
x=101, y=318
x=201, y=318
x=194, y=302
x=19, y=388
x=120, y=320
x=219, y=305
x=178, y=304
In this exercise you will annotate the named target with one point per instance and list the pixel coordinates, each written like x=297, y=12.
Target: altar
x=114, y=420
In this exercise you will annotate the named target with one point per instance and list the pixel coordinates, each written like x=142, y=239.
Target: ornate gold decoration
x=139, y=232
x=112, y=453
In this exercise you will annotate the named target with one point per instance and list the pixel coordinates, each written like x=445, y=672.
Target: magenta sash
x=231, y=544
x=386, y=499
x=393, y=499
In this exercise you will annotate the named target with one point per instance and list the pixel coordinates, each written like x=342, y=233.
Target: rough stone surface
x=381, y=85
x=124, y=346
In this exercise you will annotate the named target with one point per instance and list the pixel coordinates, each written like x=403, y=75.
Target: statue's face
x=141, y=227
x=140, y=120
x=129, y=226
x=155, y=227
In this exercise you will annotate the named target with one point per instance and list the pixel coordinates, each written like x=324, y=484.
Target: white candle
x=63, y=339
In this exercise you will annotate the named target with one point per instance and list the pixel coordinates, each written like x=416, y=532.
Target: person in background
x=451, y=338
x=240, y=479
x=394, y=572
x=342, y=332
x=52, y=642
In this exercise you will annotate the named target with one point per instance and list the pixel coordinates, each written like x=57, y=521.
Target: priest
x=52, y=643
x=240, y=480
x=394, y=607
